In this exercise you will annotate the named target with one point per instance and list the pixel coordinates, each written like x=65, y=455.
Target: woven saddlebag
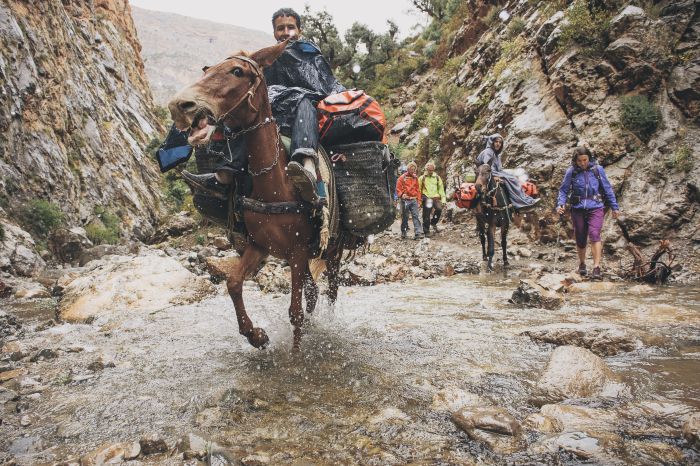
x=363, y=184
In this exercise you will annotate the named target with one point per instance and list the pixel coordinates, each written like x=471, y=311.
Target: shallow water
x=361, y=390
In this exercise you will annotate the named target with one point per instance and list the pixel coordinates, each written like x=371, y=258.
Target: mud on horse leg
x=249, y=261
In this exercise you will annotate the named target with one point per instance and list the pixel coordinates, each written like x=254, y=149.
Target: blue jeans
x=305, y=132
x=412, y=207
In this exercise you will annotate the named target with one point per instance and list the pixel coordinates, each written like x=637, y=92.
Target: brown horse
x=494, y=210
x=234, y=93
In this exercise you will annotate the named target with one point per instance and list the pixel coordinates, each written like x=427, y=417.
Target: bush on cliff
x=40, y=217
x=639, y=115
x=586, y=27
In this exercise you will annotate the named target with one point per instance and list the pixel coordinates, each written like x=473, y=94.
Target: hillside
x=175, y=47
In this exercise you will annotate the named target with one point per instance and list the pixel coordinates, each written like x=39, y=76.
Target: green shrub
x=419, y=118
x=40, y=217
x=639, y=115
x=585, y=27
x=682, y=159
x=105, y=228
x=152, y=146
x=200, y=239
x=515, y=27
x=447, y=95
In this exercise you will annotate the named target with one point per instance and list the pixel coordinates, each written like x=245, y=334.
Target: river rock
x=655, y=452
x=131, y=284
x=32, y=291
x=555, y=281
x=106, y=454
x=13, y=351
x=530, y=294
x=573, y=418
x=595, y=446
x=274, y=278
x=176, y=225
x=151, y=445
x=691, y=430
x=602, y=339
x=26, y=262
x=492, y=426
x=453, y=399
x=542, y=423
x=574, y=372
x=220, y=267
x=653, y=418
x=12, y=374
x=592, y=287
x=100, y=251
x=67, y=244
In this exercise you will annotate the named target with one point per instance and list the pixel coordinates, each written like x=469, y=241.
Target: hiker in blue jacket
x=588, y=191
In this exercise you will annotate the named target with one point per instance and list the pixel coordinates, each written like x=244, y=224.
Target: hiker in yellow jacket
x=433, y=194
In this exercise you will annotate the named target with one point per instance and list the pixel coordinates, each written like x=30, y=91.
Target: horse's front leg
x=333, y=270
x=504, y=241
x=249, y=261
x=310, y=291
x=492, y=247
x=481, y=228
x=299, y=265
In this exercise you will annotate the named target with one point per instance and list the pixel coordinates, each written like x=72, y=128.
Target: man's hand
x=615, y=214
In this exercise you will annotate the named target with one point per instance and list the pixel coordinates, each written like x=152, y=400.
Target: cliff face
x=76, y=112
x=175, y=47
x=546, y=95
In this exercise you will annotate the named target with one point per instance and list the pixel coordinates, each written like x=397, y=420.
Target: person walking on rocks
x=409, y=192
x=588, y=191
x=433, y=196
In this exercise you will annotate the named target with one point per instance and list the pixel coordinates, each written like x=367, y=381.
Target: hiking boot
x=596, y=275
x=206, y=184
x=418, y=237
x=427, y=233
x=435, y=229
x=403, y=235
x=582, y=270
x=303, y=181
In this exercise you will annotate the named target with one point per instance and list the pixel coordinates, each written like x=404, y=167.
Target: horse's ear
x=267, y=56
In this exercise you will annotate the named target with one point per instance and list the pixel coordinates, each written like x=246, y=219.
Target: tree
x=319, y=28
x=436, y=9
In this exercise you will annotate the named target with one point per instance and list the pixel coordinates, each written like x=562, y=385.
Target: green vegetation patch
x=639, y=115
x=587, y=27
x=105, y=228
x=40, y=217
x=682, y=159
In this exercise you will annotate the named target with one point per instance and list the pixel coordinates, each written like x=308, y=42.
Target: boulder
x=67, y=244
x=492, y=426
x=600, y=447
x=602, y=339
x=574, y=372
x=592, y=287
x=409, y=107
x=220, y=267
x=684, y=88
x=530, y=294
x=573, y=418
x=691, y=430
x=542, y=423
x=151, y=445
x=131, y=284
x=25, y=261
x=453, y=399
x=222, y=243
x=100, y=251
x=274, y=278
x=174, y=226
x=32, y=291
x=398, y=127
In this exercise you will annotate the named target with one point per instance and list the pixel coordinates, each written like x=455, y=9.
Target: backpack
x=350, y=116
x=601, y=189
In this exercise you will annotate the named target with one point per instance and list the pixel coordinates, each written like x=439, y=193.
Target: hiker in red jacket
x=408, y=190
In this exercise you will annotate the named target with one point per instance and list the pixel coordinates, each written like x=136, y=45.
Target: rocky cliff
x=175, y=47
x=76, y=115
x=559, y=74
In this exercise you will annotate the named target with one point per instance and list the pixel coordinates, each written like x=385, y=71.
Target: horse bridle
x=248, y=95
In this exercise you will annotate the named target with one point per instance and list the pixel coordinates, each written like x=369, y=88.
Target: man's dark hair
x=286, y=12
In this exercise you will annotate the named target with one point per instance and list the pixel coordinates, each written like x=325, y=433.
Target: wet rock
x=691, y=430
x=106, y=454
x=598, y=446
x=26, y=446
x=221, y=243
x=25, y=421
x=493, y=427
x=151, y=445
x=530, y=294
x=274, y=278
x=220, y=267
x=574, y=372
x=26, y=262
x=12, y=374
x=7, y=395
x=132, y=450
x=44, y=355
x=655, y=452
x=602, y=339
x=392, y=415
x=131, y=284
x=176, y=225
x=32, y=291
x=67, y=244
x=555, y=281
x=13, y=351
x=542, y=423
x=453, y=399
x=524, y=252
x=100, y=251
x=194, y=447
x=573, y=418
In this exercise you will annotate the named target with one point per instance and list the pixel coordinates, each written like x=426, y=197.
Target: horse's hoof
x=258, y=338
x=506, y=264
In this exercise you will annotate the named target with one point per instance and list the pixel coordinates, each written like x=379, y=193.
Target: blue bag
x=174, y=150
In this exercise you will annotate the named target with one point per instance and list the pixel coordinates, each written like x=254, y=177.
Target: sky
x=257, y=14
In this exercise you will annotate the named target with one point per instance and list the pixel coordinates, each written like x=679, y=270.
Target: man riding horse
x=300, y=77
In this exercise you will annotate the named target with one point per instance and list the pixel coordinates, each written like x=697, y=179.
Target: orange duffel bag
x=348, y=117
x=465, y=196
x=530, y=188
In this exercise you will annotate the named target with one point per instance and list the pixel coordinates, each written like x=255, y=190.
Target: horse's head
x=231, y=92
x=483, y=174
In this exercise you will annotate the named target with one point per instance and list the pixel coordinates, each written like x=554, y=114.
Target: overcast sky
x=257, y=14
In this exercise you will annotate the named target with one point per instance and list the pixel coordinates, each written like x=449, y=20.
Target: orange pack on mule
x=350, y=116
x=465, y=196
x=530, y=188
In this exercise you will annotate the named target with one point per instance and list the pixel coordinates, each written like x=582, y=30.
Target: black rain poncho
x=301, y=71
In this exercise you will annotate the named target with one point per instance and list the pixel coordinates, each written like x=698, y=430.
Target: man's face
x=497, y=144
x=286, y=27
x=430, y=169
x=412, y=169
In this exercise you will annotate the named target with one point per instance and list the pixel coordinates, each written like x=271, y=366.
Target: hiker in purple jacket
x=588, y=191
